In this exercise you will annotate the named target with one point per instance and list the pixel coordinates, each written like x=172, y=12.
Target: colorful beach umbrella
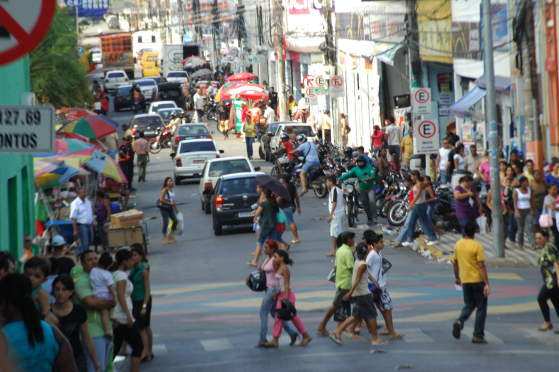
x=55, y=177
x=74, y=113
x=246, y=91
x=91, y=127
x=71, y=145
x=243, y=76
x=105, y=165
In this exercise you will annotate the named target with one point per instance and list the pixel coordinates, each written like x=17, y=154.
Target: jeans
x=444, y=177
x=142, y=164
x=474, y=299
x=168, y=214
x=368, y=202
x=404, y=230
x=510, y=226
x=417, y=213
x=431, y=207
x=249, y=141
x=268, y=308
x=524, y=222
x=548, y=294
x=103, y=349
x=84, y=235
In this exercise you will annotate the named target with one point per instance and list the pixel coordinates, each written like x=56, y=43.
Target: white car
x=148, y=87
x=215, y=168
x=176, y=77
x=191, y=156
x=154, y=107
x=296, y=128
x=115, y=78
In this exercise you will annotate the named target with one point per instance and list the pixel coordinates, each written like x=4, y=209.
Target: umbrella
x=193, y=62
x=71, y=145
x=54, y=177
x=272, y=184
x=105, y=165
x=247, y=91
x=91, y=127
x=74, y=113
x=243, y=76
x=201, y=74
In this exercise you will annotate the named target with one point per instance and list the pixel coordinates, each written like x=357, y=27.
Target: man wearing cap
x=58, y=246
x=81, y=214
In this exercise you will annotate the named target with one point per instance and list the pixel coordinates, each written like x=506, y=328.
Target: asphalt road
x=206, y=319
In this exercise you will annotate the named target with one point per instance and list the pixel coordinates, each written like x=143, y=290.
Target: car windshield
x=197, y=146
x=193, y=131
x=177, y=74
x=114, y=75
x=146, y=83
x=220, y=168
x=238, y=186
x=124, y=91
x=303, y=129
x=165, y=106
x=152, y=121
x=166, y=113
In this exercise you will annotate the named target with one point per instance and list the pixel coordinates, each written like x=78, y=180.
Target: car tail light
x=218, y=202
x=210, y=136
x=208, y=187
x=178, y=139
x=178, y=162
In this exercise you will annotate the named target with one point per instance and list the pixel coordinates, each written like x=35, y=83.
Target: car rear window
x=146, y=83
x=197, y=146
x=165, y=106
x=193, y=130
x=148, y=121
x=306, y=130
x=177, y=74
x=124, y=91
x=238, y=186
x=220, y=168
x=114, y=75
x=165, y=113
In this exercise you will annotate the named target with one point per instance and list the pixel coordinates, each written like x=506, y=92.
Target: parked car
x=113, y=79
x=215, y=168
x=176, y=77
x=296, y=128
x=154, y=107
x=166, y=113
x=150, y=124
x=148, y=87
x=191, y=156
x=190, y=131
x=264, y=150
x=234, y=200
x=173, y=92
x=123, y=98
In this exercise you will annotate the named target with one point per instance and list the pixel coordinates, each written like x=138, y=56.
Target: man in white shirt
x=326, y=126
x=199, y=103
x=442, y=162
x=269, y=114
x=393, y=138
x=336, y=211
x=81, y=214
x=377, y=280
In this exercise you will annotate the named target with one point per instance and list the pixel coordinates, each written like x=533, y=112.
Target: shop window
x=139, y=39
x=153, y=38
x=13, y=217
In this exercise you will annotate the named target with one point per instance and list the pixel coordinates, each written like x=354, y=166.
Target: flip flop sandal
x=333, y=337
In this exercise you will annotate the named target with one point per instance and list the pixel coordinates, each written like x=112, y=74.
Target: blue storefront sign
x=90, y=8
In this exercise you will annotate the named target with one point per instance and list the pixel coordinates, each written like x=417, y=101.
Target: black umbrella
x=201, y=74
x=272, y=184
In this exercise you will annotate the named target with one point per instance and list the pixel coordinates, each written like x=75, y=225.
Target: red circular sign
x=422, y=96
x=26, y=40
x=427, y=129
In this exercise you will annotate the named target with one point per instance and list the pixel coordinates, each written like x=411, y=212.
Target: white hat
x=58, y=241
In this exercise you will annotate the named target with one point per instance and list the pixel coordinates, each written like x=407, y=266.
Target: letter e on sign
x=427, y=129
x=23, y=25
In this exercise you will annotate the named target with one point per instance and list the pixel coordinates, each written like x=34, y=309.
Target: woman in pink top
x=267, y=307
x=281, y=258
x=484, y=169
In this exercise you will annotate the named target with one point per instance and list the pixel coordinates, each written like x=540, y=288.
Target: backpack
x=256, y=281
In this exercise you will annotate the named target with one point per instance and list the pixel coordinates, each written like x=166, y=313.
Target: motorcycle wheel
x=349, y=214
x=397, y=214
x=319, y=188
x=275, y=172
x=261, y=153
x=155, y=148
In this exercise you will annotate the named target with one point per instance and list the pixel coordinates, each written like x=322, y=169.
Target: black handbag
x=287, y=310
x=256, y=281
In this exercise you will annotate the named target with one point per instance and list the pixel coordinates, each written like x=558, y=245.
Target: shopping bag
x=482, y=224
x=180, y=223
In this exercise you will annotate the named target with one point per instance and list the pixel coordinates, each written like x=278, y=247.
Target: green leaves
x=57, y=76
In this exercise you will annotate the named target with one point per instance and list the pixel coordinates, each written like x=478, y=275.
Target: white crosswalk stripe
x=415, y=335
x=217, y=344
x=490, y=337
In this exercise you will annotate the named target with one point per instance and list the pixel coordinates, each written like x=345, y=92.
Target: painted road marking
x=159, y=349
x=413, y=335
x=490, y=337
x=217, y=344
x=546, y=338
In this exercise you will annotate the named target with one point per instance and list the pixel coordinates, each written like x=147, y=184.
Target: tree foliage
x=57, y=76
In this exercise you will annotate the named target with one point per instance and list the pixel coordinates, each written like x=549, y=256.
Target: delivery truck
x=171, y=58
x=116, y=52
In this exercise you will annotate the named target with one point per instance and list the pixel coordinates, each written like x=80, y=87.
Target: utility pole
x=280, y=62
x=215, y=33
x=491, y=118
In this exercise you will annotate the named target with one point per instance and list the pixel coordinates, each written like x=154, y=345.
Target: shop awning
x=389, y=55
x=460, y=108
x=385, y=52
x=502, y=83
x=304, y=44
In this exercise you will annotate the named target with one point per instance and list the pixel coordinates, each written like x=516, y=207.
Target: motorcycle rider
x=366, y=174
x=311, y=160
x=287, y=146
x=138, y=99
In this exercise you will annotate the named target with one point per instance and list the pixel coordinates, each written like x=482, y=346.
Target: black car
x=123, y=98
x=264, y=150
x=150, y=124
x=190, y=131
x=234, y=200
x=172, y=92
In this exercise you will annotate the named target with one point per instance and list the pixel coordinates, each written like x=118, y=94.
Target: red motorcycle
x=162, y=140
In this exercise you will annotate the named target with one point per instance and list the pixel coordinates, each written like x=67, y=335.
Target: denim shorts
x=289, y=215
x=308, y=166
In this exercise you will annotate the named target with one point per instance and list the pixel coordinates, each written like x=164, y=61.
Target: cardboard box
x=132, y=217
x=125, y=237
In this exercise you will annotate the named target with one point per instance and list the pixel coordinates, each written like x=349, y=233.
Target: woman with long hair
x=283, y=275
x=265, y=217
x=29, y=342
x=168, y=206
x=141, y=298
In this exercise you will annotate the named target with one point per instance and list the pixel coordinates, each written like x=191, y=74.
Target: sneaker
x=431, y=242
x=406, y=244
x=478, y=340
x=456, y=329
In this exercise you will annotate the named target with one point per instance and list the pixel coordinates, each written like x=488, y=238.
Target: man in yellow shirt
x=470, y=272
x=406, y=149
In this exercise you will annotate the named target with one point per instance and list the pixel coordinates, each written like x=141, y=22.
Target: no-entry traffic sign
x=426, y=136
x=23, y=25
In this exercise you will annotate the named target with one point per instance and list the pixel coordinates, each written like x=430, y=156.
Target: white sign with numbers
x=28, y=129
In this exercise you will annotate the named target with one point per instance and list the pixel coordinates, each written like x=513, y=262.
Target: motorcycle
x=162, y=140
x=211, y=109
x=292, y=168
x=349, y=188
